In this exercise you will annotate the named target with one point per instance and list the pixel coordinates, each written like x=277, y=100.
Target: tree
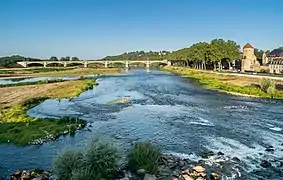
x=53, y=58
x=67, y=58
x=62, y=59
x=258, y=53
x=75, y=59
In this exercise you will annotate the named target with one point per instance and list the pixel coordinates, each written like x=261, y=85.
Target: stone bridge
x=86, y=63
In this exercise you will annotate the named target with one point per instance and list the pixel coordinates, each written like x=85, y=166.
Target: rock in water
x=199, y=169
x=141, y=172
x=265, y=164
x=214, y=176
x=149, y=177
x=187, y=177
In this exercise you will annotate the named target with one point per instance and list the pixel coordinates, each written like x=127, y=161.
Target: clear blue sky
x=91, y=29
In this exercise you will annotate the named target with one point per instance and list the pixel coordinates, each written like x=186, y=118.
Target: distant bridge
x=147, y=63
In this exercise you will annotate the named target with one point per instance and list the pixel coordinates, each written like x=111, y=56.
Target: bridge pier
x=147, y=64
x=44, y=64
x=127, y=64
x=85, y=64
x=105, y=64
x=65, y=64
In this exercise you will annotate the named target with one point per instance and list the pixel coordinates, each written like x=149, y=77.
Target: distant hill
x=11, y=61
x=138, y=55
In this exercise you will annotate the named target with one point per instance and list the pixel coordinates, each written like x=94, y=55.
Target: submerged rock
x=214, y=176
x=149, y=177
x=265, y=164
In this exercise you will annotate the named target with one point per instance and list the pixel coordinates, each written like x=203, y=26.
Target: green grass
x=17, y=127
x=144, y=155
x=20, y=129
x=218, y=84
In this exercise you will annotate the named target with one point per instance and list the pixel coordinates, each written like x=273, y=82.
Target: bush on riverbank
x=145, y=156
x=98, y=161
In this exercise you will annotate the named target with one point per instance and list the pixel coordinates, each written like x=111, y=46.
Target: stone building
x=275, y=59
x=249, y=60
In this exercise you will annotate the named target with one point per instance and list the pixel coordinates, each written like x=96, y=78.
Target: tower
x=249, y=60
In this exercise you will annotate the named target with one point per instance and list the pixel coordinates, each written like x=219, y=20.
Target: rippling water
x=167, y=110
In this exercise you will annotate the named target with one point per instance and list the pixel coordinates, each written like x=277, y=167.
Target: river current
x=170, y=111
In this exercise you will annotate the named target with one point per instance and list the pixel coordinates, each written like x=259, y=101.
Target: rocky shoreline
x=170, y=166
x=209, y=166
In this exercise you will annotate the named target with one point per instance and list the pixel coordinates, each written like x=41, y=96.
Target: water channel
x=170, y=111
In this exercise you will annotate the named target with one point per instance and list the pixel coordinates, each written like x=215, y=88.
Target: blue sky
x=91, y=29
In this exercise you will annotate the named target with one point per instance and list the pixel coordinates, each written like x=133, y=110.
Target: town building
x=275, y=59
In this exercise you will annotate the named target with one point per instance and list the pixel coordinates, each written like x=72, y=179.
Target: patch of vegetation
x=98, y=161
x=33, y=83
x=219, y=84
x=17, y=127
x=145, y=156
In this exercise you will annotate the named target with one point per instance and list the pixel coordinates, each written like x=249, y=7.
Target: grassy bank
x=230, y=84
x=18, y=128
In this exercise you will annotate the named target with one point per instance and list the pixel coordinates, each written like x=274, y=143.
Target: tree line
x=11, y=61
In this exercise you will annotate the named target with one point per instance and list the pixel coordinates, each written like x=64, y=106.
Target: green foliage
x=28, y=129
x=98, y=161
x=67, y=164
x=145, y=156
x=53, y=58
x=271, y=91
x=266, y=83
x=11, y=61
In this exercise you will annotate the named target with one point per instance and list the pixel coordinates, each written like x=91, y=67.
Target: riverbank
x=235, y=85
x=20, y=129
x=36, y=72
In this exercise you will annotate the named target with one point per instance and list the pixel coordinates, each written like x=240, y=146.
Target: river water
x=170, y=111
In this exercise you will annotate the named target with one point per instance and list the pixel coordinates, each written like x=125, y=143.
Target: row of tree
x=202, y=55
x=67, y=58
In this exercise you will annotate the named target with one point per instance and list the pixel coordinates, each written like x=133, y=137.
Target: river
x=170, y=111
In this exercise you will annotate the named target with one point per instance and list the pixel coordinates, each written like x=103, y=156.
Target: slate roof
x=276, y=53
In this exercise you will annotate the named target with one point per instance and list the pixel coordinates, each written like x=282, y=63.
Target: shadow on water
x=168, y=110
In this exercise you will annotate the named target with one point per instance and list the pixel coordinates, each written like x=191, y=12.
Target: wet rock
x=187, y=177
x=236, y=159
x=141, y=172
x=89, y=125
x=269, y=149
x=149, y=177
x=214, y=176
x=220, y=153
x=265, y=164
x=207, y=154
x=199, y=169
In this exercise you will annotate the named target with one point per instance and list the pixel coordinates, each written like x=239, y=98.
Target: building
x=249, y=60
x=275, y=59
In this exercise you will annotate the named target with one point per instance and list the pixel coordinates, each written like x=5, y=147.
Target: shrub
x=67, y=163
x=145, y=156
x=101, y=159
x=271, y=91
x=266, y=83
x=98, y=161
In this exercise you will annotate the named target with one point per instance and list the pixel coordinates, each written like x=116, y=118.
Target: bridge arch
x=33, y=64
x=50, y=64
x=75, y=63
